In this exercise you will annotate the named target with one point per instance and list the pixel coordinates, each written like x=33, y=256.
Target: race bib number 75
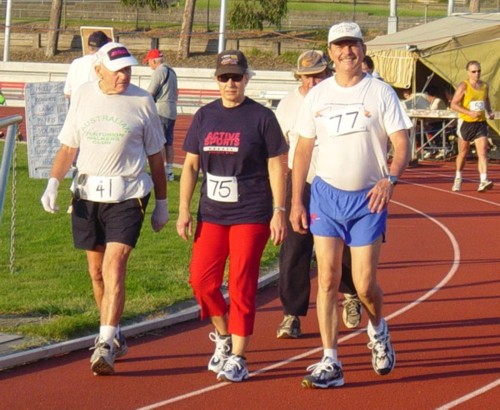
x=222, y=189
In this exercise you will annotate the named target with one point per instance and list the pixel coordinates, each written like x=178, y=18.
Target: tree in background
x=474, y=6
x=251, y=14
x=186, y=29
x=54, y=27
x=152, y=4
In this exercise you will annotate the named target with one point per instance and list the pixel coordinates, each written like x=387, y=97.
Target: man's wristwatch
x=392, y=180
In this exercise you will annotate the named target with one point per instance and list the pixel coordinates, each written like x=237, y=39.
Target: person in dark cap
x=163, y=88
x=238, y=146
x=296, y=251
x=81, y=70
x=351, y=117
x=97, y=39
x=114, y=127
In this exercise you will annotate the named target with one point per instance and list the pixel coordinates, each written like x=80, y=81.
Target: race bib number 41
x=101, y=189
x=222, y=189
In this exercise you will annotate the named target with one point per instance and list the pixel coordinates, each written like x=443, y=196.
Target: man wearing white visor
x=114, y=126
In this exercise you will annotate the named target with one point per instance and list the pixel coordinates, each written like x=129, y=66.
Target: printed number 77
x=340, y=116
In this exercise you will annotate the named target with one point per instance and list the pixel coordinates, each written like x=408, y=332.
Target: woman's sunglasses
x=224, y=78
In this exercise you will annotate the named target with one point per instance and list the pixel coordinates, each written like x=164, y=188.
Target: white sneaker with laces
x=383, y=355
x=102, y=360
x=326, y=373
x=234, y=370
x=120, y=345
x=289, y=328
x=223, y=346
x=485, y=185
x=351, y=313
x=457, y=185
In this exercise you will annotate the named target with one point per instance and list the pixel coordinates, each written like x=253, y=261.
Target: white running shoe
x=351, y=314
x=289, y=328
x=120, y=345
x=102, y=360
x=485, y=185
x=383, y=355
x=234, y=370
x=457, y=185
x=223, y=346
x=324, y=374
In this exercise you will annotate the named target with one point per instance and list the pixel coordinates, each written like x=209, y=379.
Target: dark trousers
x=295, y=263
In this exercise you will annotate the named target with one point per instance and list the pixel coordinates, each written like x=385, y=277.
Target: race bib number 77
x=345, y=121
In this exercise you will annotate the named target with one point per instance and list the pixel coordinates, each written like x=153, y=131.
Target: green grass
x=50, y=285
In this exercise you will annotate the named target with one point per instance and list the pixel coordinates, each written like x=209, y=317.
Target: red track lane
x=439, y=271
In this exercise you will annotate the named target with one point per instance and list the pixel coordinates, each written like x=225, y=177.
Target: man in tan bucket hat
x=296, y=251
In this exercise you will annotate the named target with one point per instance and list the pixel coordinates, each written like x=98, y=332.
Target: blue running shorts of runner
x=344, y=214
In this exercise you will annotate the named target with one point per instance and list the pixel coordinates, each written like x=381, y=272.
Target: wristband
x=393, y=180
x=279, y=209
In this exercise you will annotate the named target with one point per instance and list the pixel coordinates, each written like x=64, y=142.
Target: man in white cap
x=114, y=126
x=296, y=250
x=353, y=116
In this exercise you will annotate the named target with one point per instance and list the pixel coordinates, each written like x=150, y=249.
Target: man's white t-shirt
x=352, y=125
x=80, y=71
x=114, y=133
x=287, y=112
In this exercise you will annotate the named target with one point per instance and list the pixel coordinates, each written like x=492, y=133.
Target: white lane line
x=469, y=396
x=452, y=193
x=446, y=279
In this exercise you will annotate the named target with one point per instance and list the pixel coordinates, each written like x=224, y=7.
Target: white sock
x=483, y=177
x=458, y=174
x=107, y=334
x=332, y=353
x=170, y=168
x=375, y=330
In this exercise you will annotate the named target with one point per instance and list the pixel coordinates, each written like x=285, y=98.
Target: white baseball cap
x=114, y=56
x=344, y=31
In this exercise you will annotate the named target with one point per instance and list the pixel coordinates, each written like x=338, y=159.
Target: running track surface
x=440, y=274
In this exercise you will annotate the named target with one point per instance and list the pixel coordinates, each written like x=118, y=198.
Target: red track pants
x=244, y=245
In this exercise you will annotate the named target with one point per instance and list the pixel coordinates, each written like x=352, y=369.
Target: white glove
x=159, y=217
x=50, y=195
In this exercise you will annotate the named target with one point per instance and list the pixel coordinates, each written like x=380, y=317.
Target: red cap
x=152, y=54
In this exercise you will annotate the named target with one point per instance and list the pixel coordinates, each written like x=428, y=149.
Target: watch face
x=393, y=180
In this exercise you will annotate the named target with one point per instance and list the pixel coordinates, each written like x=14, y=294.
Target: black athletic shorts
x=469, y=131
x=97, y=223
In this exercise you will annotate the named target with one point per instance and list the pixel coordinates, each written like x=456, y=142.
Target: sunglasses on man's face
x=224, y=78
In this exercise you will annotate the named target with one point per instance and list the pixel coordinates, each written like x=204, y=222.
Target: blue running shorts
x=344, y=214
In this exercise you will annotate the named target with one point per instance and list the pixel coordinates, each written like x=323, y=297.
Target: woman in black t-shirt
x=238, y=145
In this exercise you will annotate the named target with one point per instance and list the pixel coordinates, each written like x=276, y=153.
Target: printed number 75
x=221, y=188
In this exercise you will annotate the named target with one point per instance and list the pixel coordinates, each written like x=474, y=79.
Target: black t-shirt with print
x=236, y=142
